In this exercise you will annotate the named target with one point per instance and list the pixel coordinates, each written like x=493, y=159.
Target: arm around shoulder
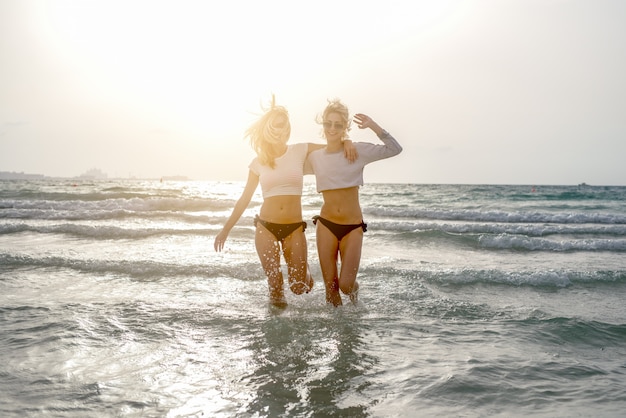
x=349, y=150
x=313, y=147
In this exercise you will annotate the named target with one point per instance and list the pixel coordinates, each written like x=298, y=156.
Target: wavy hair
x=267, y=136
x=336, y=106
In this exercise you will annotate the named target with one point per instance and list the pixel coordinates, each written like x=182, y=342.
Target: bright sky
x=476, y=91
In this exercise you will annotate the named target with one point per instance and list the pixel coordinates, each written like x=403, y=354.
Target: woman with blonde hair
x=340, y=226
x=278, y=167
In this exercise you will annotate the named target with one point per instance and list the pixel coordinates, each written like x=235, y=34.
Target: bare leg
x=277, y=294
x=332, y=292
x=295, y=253
x=350, y=250
x=327, y=249
x=268, y=250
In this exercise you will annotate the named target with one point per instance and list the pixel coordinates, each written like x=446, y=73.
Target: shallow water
x=474, y=301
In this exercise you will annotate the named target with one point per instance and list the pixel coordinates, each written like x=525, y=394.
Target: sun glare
x=179, y=60
x=197, y=72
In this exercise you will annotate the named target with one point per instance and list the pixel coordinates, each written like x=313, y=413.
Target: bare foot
x=279, y=303
x=305, y=286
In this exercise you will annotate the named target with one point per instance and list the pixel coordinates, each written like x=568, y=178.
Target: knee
x=348, y=288
x=345, y=289
x=299, y=288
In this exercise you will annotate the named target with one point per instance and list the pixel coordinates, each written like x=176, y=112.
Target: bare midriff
x=341, y=206
x=282, y=209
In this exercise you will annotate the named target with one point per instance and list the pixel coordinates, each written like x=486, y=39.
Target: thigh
x=269, y=254
x=295, y=253
x=350, y=250
x=268, y=250
x=327, y=251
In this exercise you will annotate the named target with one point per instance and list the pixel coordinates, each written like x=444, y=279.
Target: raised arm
x=364, y=122
x=240, y=207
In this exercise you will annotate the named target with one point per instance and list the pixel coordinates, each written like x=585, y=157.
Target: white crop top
x=334, y=171
x=286, y=177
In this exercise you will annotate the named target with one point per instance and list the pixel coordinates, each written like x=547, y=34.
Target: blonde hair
x=266, y=137
x=336, y=106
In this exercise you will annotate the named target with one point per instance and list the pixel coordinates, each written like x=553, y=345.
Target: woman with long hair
x=278, y=167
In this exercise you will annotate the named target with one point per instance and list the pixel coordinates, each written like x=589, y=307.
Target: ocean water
x=476, y=300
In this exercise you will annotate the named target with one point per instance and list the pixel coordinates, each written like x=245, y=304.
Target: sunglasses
x=328, y=125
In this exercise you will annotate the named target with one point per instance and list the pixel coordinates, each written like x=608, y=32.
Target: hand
x=364, y=121
x=220, y=240
x=349, y=151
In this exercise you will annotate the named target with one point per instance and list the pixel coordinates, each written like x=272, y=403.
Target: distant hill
x=11, y=175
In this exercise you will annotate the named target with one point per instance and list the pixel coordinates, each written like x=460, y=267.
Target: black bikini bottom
x=339, y=230
x=280, y=231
